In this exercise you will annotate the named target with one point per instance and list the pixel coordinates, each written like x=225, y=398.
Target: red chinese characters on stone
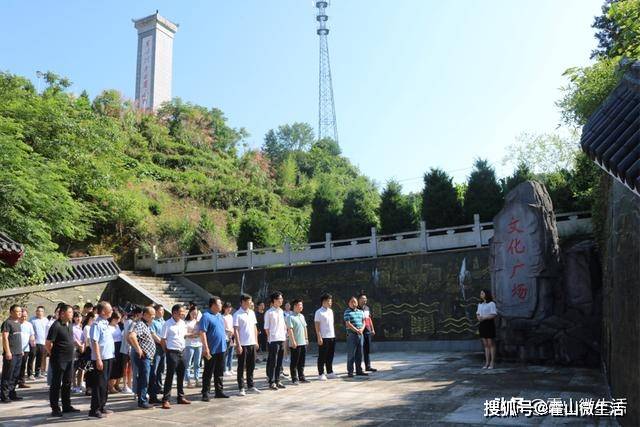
x=513, y=226
x=515, y=268
x=515, y=246
x=519, y=290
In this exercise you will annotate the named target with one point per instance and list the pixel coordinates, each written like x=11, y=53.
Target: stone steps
x=167, y=291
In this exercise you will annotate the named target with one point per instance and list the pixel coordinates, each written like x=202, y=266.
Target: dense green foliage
x=484, y=195
x=93, y=177
x=441, y=206
x=397, y=211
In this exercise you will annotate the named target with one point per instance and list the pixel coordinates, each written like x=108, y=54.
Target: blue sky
x=417, y=83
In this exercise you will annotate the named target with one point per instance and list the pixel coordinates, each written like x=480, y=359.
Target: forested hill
x=87, y=177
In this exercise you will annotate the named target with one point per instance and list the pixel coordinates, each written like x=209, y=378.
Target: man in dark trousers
x=214, y=345
x=61, y=346
x=173, y=333
x=12, y=356
x=369, y=331
x=102, y=355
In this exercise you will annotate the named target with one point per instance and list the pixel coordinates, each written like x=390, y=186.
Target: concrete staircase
x=166, y=290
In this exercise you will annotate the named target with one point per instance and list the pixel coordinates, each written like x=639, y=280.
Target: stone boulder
x=546, y=297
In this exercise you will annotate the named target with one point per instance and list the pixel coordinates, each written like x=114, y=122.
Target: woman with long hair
x=193, y=347
x=228, y=329
x=486, y=314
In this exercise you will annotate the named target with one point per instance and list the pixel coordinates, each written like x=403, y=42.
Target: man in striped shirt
x=354, y=323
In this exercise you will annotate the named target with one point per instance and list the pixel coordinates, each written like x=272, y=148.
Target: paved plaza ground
x=409, y=389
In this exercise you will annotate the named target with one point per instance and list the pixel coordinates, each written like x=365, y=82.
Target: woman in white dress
x=487, y=329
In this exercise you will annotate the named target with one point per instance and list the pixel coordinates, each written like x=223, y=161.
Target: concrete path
x=409, y=389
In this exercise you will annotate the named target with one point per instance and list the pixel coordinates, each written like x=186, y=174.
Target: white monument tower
x=155, y=56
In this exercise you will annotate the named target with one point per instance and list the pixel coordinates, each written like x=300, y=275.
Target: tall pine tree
x=440, y=204
x=484, y=195
x=397, y=213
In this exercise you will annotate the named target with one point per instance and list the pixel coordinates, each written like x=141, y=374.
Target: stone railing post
x=214, y=260
x=250, y=254
x=424, y=243
x=154, y=261
x=477, y=229
x=183, y=262
x=136, y=253
x=287, y=251
x=374, y=243
x=327, y=245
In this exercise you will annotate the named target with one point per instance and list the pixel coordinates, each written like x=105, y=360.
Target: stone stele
x=524, y=253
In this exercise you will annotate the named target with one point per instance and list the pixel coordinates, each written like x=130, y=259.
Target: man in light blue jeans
x=354, y=322
x=143, y=348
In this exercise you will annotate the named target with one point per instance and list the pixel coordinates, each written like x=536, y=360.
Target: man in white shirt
x=39, y=324
x=28, y=348
x=326, y=336
x=246, y=333
x=173, y=333
x=276, y=329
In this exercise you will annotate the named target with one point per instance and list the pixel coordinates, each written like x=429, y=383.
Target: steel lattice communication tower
x=327, y=127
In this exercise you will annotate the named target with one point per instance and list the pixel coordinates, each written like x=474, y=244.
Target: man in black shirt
x=61, y=346
x=12, y=359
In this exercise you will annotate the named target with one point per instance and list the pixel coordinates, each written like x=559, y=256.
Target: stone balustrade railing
x=374, y=245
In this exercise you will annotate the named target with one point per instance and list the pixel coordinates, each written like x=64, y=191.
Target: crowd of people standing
x=137, y=351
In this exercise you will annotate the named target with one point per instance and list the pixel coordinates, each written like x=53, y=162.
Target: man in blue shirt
x=214, y=345
x=102, y=353
x=158, y=359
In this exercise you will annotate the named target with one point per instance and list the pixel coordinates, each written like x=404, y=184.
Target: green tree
x=440, y=204
x=521, y=174
x=484, y=195
x=325, y=212
x=255, y=227
x=109, y=103
x=359, y=211
x=36, y=208
x=287, y=138
x=543, y=153
x=397, y=213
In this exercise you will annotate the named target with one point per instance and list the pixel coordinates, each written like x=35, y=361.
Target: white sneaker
x=127, y=390
x=322, y=377
x=32, y=378
x=242, y=392
x=332, y=376
x=227, y=373
x=254, y=390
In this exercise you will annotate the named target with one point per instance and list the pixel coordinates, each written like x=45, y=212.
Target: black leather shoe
x=362, y=374
x=370, y=369
x=221, y=396
x=70, y=409
x=16, y=398
x=96, y=414
x=56, y=413
x=349, y=375
x=205, y=398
